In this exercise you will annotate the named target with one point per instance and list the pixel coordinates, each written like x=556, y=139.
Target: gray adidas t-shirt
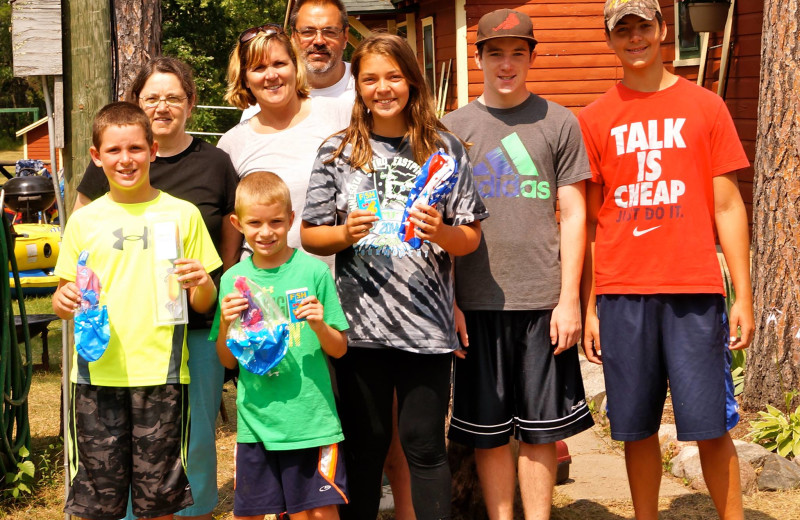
x=393, y=295
x=520, y=157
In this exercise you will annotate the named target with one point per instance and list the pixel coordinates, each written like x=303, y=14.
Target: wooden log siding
x=38, y=145
x=574, y=66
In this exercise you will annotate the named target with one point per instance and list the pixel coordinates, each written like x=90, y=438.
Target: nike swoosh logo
x=638, y=233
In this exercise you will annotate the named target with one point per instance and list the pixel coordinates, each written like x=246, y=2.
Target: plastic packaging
x=92, y=330
x=258, y=338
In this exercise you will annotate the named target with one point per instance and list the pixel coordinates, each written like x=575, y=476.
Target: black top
x=203, y=175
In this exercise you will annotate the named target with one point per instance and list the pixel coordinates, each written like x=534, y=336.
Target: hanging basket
x=708, y=16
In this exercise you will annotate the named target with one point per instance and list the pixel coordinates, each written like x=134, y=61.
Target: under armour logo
x=510, y=22
x=122, y=238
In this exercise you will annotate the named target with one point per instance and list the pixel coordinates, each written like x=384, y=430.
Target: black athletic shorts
x=511, y=383
x=121, y=438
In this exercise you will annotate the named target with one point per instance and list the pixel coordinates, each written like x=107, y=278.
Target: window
x=687, y=42
x=402, y=30
x=429, y=54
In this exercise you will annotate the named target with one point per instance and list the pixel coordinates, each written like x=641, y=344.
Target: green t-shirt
x=291, y=407
x=121, y=250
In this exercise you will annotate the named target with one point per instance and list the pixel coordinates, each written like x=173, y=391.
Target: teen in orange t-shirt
x=664, y=155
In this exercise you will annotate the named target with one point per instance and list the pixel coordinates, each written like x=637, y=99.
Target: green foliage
x=24, y=480
x=21, y=481
x=778, y=431
x=203, y=33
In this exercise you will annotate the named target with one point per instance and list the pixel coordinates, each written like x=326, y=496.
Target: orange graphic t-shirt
x=655, y=155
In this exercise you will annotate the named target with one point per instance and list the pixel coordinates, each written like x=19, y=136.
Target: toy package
x=92, y=330
x=258, y=338
x=437, y=178
x=170, y=298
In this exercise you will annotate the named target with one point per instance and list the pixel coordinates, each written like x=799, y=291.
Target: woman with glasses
x=284, y=135
x=188, y=168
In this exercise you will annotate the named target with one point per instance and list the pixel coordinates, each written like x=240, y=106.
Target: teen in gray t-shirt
x=520, y=157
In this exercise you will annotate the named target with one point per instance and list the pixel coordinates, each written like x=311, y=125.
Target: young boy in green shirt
x=287, y=451
x=130, y=404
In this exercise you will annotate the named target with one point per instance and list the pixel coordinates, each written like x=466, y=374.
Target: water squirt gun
x=437, y=178
x=252, y=317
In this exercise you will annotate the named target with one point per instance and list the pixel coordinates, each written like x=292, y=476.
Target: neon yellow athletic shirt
x=140, y=353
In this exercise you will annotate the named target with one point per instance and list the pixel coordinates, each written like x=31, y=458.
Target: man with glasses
x=319, y=29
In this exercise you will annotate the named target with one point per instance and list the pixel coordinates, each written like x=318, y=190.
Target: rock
x=778, y=474
x=687, y=464
x=593, y=382
x=749, y=478
x=752, y=454
x=699, y=484
x=668, y=439
x=667, y=433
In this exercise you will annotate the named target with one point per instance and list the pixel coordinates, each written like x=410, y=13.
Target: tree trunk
x=138, y=31
x=773, y=362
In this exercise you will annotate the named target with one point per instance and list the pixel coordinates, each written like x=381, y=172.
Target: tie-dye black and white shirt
x=393, y=295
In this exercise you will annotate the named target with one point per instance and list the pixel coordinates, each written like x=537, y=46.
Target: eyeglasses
x=170, y=101
x=329, y=33
x=269, y=29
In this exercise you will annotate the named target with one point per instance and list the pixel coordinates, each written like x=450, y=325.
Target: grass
x=48, y=499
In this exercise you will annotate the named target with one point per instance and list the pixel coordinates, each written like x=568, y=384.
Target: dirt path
x=598, y=472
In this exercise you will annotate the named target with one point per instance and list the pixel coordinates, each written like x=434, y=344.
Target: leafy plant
x=21, y=481
x=49, y=469
x=779, y=431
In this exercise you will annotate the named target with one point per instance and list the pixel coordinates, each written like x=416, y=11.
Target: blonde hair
x=423, y=125
x=261, y=188
x=250, y=54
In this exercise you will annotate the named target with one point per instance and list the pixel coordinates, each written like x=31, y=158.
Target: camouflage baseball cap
x=505, y=23
x=615, y=10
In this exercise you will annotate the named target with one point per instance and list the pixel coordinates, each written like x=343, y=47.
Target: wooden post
x=87, y=82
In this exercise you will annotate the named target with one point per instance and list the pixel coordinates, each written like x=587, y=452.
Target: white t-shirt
x=344, y=89
x=289, y=153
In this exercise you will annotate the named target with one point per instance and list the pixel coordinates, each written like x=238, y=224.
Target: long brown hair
x=423, y=125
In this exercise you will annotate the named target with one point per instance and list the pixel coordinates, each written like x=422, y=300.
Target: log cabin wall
x=574, y=66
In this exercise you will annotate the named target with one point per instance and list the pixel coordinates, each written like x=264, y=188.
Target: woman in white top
x=284, y=135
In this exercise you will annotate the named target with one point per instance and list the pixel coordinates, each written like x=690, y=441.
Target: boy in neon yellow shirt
x=130, y=415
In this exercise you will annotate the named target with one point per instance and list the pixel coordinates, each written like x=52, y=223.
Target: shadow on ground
x=582, y=510
x=698, y=506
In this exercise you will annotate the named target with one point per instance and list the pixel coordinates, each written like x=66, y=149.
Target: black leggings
x=367, y=379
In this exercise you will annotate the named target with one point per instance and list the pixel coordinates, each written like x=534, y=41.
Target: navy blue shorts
x=650, y=342
x=511, y=383
x=271, y=482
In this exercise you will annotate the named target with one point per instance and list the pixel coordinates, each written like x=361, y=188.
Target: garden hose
x=15, y=375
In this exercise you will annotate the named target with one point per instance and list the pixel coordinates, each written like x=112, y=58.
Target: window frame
x=430, y=75
x=681, y=61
